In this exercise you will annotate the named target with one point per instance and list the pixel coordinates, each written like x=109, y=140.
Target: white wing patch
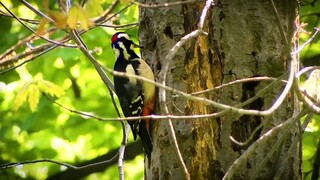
x=130, y=71
x=145, y=71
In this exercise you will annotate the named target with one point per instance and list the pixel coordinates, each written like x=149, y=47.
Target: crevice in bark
x=243, y=129
x=167, y=31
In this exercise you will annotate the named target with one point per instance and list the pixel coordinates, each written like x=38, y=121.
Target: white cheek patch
x=130, y=71
x=116, y=52
x=124, y=50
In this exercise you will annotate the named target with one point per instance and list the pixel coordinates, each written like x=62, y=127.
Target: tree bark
x=245, y=39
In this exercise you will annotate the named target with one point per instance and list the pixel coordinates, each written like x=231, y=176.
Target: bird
x=136, y=97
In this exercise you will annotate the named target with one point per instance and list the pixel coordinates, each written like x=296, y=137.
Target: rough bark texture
x=244, y=40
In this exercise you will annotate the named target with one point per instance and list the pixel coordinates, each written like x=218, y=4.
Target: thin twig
x=276, y=13
x=168, y=116
x=31, y=21
x=37, y=34
x=238, y=81
x=287, y=125
x=211, y=102
x=110, y=86
x=304, y=97
x=97, y=66
x=39, y=13
x=249, y=139
x=164, y=4
x=306, y=121
x=316, y=30
x=21, y=43
x=115, y=14
x=45, y=50
x=204, y=14
x=283, y=127
x=118, y=26
x=12, y=165
x=104, y=15
x=162, y=97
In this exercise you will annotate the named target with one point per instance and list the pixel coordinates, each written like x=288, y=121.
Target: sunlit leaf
x=41, y=27
x=84, y=20
x=50, y=88
x=33, y=96
x=73, y=17
x=20, y=97
x=59, y=19
x=93, y=8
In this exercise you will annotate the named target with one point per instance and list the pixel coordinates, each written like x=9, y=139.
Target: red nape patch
x=114, y=38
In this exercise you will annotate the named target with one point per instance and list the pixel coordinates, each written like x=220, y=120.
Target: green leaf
x=20, y=97
x=84, y=19
x=33, y=96
x=93, y=8
x=50, y=88
x=73, y=17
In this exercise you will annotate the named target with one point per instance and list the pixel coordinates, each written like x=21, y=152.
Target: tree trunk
x=245, y=39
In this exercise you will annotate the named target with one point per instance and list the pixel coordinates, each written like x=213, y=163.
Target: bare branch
x=126, y=130
x=39, y=13
x=119, y=26
x=284, y=127
x=104, y=15
x=30, y=29
x=109, y=84
x=97, y=66
x=263, y=78
x=249, y=139
x=165, y=4
x=162, y=97
x=31, y=21
x=276, y=13
x=204, y=13
x=44, y=49
x=11, y=165
x=316, y=30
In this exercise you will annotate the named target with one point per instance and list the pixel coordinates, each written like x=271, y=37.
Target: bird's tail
x=145, y=138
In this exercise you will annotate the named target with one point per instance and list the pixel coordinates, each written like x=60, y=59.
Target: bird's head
x=123, y=46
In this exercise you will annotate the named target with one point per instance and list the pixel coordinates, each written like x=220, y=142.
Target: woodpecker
x=136, y=97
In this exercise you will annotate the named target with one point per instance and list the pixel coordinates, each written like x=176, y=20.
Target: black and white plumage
x=136, y=97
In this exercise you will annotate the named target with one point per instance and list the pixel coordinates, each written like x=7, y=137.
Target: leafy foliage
x=33, y=127
x=309, y=12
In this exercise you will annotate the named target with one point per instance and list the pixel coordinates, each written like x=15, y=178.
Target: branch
x=276, y=13
x=110, y=86
x=31, y=21
x=164, y=4
x=98, y=164
x=162, y=97
x=39, y=13
x=249, y=139
x=132, y=150
x=238, y=81
x=96, y=65
x=316, y=30
x=30, y=29
x=284, y=127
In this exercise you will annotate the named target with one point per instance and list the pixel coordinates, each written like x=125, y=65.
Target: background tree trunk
x=244, y=40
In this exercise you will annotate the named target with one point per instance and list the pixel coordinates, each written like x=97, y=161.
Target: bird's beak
x=136, y=45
